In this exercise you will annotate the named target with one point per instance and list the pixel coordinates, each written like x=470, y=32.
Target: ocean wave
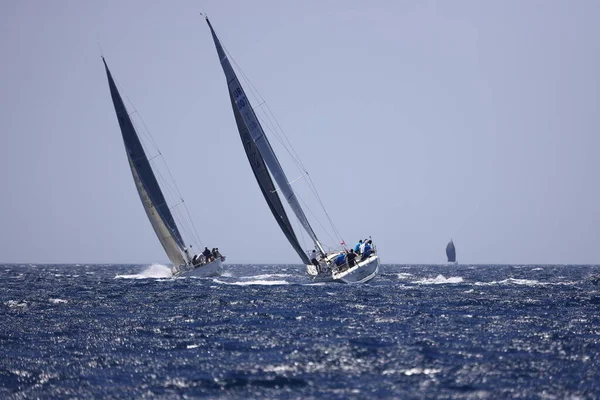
x=439, y=280
x=255, y=282
x=153, y=271
x=265, y=276
x=16, y=304
x=526, y=282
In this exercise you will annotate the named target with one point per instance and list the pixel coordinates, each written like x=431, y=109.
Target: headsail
x=247, y=121
x=451, y=251
x=148, y=188
x=266, y=184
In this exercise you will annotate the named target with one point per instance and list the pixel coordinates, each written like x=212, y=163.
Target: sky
x=418, y=121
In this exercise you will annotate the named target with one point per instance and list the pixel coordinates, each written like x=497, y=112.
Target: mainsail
x=260, y=154
x=451, y=251
x=148, y=188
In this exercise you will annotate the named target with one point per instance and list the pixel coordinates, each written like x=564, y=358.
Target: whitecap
x=439, y=280
x=404, y=275
x=412, y=371
x=424, y=371
x=58, y=301
x=16, y=303
x=265, y=276
x=526, y=282
x=153, y=271
x=256, y=282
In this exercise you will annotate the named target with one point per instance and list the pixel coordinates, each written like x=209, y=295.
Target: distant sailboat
x=154, y=201
x=451, y=251
x=266, y=167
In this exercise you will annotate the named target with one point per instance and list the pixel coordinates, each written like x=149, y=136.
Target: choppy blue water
x=113, y=331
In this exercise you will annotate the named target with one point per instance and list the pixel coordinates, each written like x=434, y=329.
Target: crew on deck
x=340, y=259
x=351, y=257
x=207, y=254
x=314, y=261
x=367, y=250
x=357, y=246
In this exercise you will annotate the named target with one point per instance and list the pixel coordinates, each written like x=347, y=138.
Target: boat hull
x=214, y=268
x=362, y=272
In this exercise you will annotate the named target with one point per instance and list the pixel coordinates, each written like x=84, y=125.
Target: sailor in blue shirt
x=340, y=259
x=357, y=247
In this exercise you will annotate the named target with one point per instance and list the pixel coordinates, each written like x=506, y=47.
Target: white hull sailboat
x=266, y=168
x=362, y=272
x=213, y=268
x=154, y=202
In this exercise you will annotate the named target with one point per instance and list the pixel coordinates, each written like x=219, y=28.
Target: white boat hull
x=214, y=268
x=362, y=272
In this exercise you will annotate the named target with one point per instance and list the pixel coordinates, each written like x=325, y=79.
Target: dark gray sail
x=241, y=103
x=148, y=188
x=451, y=251
x=266, y=184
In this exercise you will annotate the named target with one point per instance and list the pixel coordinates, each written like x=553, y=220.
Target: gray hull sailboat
x=328, y=265
x=154, y=202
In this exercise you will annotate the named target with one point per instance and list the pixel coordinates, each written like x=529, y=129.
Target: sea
x=269, y=332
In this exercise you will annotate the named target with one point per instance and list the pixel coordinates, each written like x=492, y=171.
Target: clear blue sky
x=418, y=121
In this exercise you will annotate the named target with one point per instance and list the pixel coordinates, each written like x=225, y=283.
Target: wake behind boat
x=208, y=263
x=266, y=168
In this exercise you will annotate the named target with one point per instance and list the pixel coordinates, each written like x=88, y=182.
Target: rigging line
x=316, y=193
x=294, y=156
x=185, y=225
x=197, y=237
x=310, y=182
x=301, y=165
x=260, y=99
x=192, y=233
x=270, y=126
x=175, y=205
x=289, y=183
x=277, y=132
x=172, y=184
x=177, y=188
x=297, y=157
x=315, y=217
x=165, y=184
x=135, y=111
x=171, y=199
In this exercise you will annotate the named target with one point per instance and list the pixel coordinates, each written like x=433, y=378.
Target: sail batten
x=249, y=121
x=151, y=195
